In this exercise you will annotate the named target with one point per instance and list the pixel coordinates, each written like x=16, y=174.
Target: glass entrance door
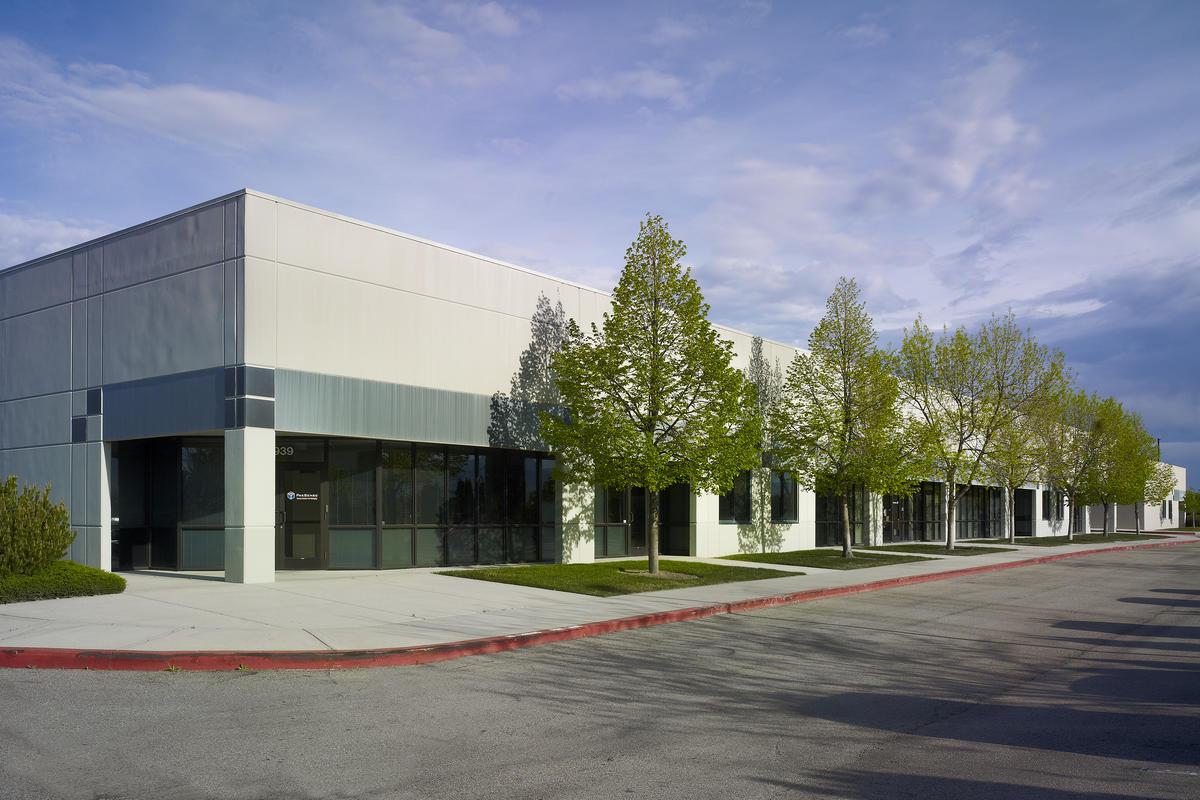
x=300, y=540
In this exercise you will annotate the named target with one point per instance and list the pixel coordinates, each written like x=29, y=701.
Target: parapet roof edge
x=123, y=231
x=352, y=220
x=472, y=254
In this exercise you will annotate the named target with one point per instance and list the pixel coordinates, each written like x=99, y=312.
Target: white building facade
x=251, y=385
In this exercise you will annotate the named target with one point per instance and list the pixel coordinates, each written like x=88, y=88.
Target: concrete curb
x=217, y=661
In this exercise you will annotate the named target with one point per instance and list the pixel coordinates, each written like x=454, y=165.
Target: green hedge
x=34, y=532
x=60, y=579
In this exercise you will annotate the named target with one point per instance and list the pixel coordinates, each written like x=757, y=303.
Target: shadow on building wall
x=514, y=420
x=514, y=416
x=761, y=535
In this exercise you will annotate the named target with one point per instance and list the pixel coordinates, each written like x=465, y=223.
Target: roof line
x=352, y=220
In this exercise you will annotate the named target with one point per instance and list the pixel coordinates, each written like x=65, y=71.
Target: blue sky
x=957, y=159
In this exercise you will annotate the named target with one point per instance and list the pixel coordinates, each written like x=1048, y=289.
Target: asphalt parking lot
x=1077, y=679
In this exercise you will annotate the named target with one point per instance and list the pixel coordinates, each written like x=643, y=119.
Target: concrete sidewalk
x=336, y=611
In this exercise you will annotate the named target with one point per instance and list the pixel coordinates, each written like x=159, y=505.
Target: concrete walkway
x=324, y=611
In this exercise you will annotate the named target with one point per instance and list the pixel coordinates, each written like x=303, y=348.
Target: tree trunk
x=1137, y=520
x=652, y=531
x=950, y=503
x=847, y=549
x=1070, y=516
x=1104, y=532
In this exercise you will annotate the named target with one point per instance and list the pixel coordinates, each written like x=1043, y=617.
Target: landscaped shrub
x=60, y=579
x=34, y=531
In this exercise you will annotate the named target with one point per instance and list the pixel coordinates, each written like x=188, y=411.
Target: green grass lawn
x=1084, y=538
x=960, y=549
x=606, y=578
x=60, y=579
x=826, y=558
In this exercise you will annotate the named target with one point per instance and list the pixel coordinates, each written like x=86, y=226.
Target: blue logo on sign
x=291, y=495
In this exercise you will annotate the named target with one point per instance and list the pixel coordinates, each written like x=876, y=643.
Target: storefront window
x=734, y=505
x=352, y=483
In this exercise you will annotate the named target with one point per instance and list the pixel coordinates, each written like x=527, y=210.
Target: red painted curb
x=217, y=660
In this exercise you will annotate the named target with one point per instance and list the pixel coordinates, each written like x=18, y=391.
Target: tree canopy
x=652, y=396
x=839, y=426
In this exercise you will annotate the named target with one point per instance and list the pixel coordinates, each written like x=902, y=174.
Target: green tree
x=1159, y=486
x=34, y=530
x=1017, y=455
x=1191, y=503
x=1073, y=450
x=839, y=426
x=964, y=389
x=1127, y=456
x=651, y=395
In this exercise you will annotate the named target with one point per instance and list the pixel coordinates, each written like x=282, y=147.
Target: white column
x=250, y=505
x=104, y=535
x=576, y=529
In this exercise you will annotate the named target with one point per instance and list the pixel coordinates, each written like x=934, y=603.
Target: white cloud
x=24, y=237
x=641, y=84
x=36, y=90
x=490, y=18
x=510, y=145
x=867, y=34
x=390, y=49
x=669, y=31
x=947, y=149
x=418, y=39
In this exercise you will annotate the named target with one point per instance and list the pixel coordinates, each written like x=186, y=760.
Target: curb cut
x=219, y=661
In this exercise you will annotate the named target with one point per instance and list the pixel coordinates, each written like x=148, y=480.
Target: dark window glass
x=491, y=545
x=430, y=482
x=164, y=485
x=352, y=483
x=397, y=548
x=734, y=505
x=614, y=505
x=522, y=489
x=829, y=518
x=431, y=543
x=460, y=545
x=202, y=476
x=523, y=544
x=352, y=548
x=784, y=506
x=203, y=549
x=397, y=484
x=549, y=514
x=461, y=482
x=163, y=548
x=491, y=488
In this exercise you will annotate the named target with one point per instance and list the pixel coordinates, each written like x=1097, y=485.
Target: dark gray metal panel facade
x=36, y=421
x=36, y=351
x=190, y=241
x=307, y=402
x=165, y=405
x=167, y=326
x=142, y=313
x=34, y=289
x=42, y=465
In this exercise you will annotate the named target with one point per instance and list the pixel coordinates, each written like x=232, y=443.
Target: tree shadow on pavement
x=889, y=785
x=1149, y=736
